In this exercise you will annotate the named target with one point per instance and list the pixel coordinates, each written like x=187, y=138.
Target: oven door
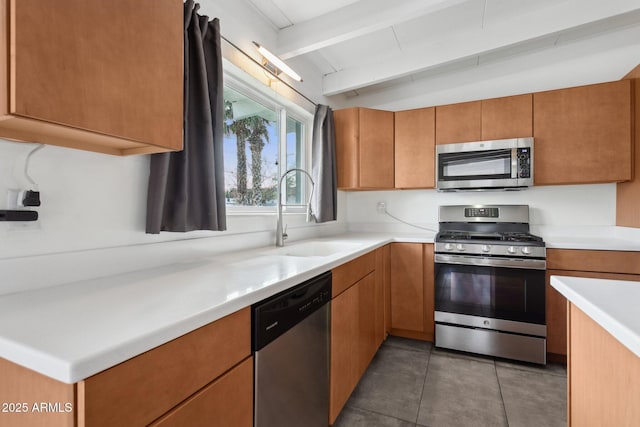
x=491, y=288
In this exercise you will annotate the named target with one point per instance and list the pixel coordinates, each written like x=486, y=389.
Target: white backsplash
x=562, y=205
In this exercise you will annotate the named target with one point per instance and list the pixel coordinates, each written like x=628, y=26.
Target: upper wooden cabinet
x=583, y=134
x=99, y=76
x=507, y=117
x=364, y=148
x=414, y=148
x=489, y=119
x=459, y=122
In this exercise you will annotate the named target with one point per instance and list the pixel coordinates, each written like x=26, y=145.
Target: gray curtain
x=324, y=203
x=186, y=188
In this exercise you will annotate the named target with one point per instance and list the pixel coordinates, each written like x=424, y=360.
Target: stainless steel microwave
x=500, y=164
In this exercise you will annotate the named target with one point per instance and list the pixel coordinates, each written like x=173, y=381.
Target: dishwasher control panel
x=276, y=315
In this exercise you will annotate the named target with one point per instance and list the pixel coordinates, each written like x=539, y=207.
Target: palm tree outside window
x=260, y=143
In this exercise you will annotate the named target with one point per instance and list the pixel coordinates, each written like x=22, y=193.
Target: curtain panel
x=324, y=202
x=186, y=188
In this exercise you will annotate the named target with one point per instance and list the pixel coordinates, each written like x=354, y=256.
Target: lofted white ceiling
x=369, y=47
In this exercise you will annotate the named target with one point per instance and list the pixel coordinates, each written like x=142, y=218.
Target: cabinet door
x=140, y=390
x=383, y=293
x=376, y=149
x=407, y=288
x=367, y=328
x=364, y=148
x=603, y=383
x=583, y=134
x=458, y=122
x=429, y=292
x=344, y=376
x=228, y=401
x=414, y=148
x=347, y=127
x=88, y=66
x=556, y=308
x=507, y=117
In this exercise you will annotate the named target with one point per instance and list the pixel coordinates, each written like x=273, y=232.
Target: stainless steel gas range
x=490, y=282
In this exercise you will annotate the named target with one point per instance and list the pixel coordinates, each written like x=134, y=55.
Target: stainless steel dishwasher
x=291, y=344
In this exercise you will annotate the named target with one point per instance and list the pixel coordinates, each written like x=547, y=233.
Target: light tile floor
x=412, y=384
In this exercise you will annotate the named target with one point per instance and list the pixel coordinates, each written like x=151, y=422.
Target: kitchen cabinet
x=180, y=379
x=82, y=75
x=603, y=386
x=628, y=193
x=459, y=122
x=383, y=276
x=583, y=134
x=415, y=148
x=412, y=290
x=364, y=148
x=356, y=325
x=228, y=401
x=617, y=265
x=485, y=120
x=507, y=117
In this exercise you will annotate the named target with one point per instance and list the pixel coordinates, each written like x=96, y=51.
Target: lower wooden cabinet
x=617, y=265
x=228, y=401
x=603, y=383
x=357, y=327
x=412, y=292
x=199, y=378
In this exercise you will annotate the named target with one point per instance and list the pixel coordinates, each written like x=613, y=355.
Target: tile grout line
x=504, y=406
x=424, y=384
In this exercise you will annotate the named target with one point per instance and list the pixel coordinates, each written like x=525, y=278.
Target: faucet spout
x=281, y=234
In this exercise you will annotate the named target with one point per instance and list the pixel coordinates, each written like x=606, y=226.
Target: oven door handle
x=532, y=264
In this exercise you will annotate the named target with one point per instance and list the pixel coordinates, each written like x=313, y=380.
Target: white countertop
x=110, y=312
x=72, y=331
x=603, y=238
x=613, y=304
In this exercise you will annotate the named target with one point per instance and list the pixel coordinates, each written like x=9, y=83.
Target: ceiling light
x=277, y=63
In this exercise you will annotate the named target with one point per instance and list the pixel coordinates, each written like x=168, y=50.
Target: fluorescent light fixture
x=278, y=63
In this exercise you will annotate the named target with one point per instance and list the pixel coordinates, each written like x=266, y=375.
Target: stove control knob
x=526, y=250
x=460, y=247
x=448, y=246
x=512, y=249
x=486, y=248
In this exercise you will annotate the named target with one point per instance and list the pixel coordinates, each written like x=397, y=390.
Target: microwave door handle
x=514, y=163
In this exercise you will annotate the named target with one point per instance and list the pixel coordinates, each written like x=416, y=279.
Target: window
x=262, y=140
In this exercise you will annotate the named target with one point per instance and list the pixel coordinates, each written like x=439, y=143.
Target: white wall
x=94, y=200
x=578, y=205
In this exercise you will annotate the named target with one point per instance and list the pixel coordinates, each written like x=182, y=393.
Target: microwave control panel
x=524, y=162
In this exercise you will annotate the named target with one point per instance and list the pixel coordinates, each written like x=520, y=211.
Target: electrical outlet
x=381, y=207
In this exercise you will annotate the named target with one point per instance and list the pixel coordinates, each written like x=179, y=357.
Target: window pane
x=250, y=151
x=296, y=182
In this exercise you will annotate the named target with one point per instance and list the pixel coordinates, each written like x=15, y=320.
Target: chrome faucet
x=281, y=234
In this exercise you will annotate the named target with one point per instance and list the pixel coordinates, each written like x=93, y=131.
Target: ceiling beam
x=354, y=20
x=564, y=17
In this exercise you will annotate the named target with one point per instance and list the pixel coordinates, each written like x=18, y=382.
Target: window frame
x=284, y=109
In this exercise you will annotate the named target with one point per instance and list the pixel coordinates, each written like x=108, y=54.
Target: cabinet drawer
x=623, y=262
x=228, y=401
x=140, y=390
x=347, y=274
